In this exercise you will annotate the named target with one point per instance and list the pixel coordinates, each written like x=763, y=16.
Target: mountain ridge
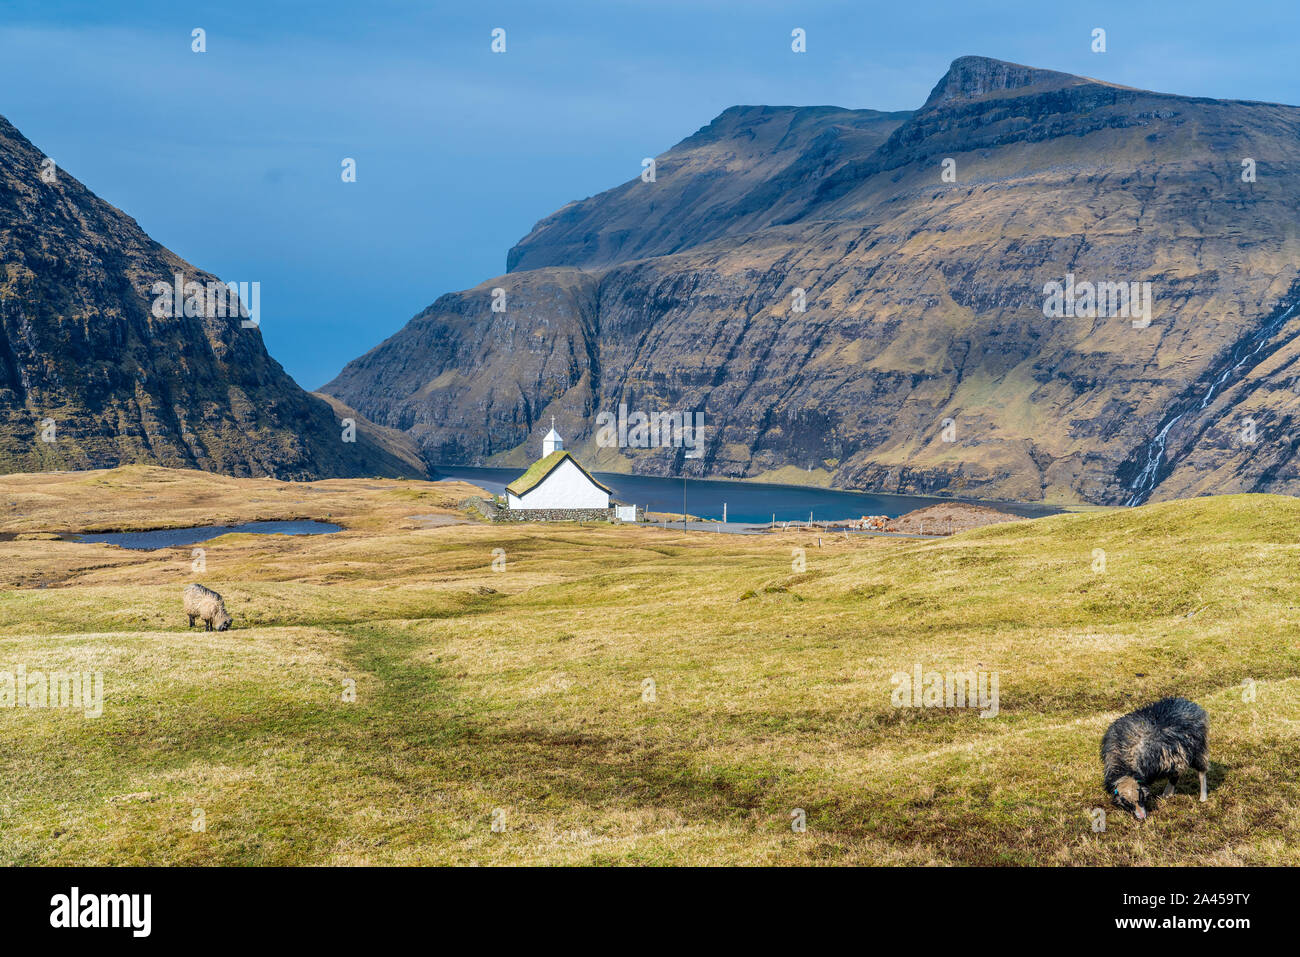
x=86, y=364
x=925, y=298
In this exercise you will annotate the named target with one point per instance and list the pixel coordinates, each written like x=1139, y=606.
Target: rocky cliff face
x=932, y=354
x=86, y=365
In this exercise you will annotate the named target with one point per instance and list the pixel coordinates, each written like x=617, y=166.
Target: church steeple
x=552, y=442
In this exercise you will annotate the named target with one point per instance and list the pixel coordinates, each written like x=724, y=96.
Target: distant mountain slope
x=80, y=347
x=745, y=170
x=925, y=301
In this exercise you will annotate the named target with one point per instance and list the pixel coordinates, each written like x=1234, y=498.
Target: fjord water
x=754, y=502
x=170, y=537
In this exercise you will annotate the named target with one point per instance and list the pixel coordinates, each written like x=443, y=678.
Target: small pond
x=171, y=537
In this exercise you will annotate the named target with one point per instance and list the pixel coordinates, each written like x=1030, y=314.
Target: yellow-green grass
x=521, y=692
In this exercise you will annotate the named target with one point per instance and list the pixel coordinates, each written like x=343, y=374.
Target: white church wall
x=565, y=487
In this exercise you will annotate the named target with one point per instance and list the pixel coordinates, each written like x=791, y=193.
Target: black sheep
x=1161, y=740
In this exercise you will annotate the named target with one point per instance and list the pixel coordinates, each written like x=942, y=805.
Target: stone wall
x=557, y=514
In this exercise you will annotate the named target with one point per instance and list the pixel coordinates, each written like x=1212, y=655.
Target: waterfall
x=1229, y=370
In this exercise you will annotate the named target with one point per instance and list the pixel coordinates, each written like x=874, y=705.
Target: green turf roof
x=544, y=467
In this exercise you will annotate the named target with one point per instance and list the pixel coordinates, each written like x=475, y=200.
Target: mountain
x=84, y=360
x=934, y=354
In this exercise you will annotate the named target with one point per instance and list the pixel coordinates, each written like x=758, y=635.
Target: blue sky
x=232, y=157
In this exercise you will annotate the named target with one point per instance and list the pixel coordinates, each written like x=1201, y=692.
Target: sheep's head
x=1131, y=795
x=222, y=621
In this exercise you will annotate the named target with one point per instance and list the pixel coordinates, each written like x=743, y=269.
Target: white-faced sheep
x=206, y=604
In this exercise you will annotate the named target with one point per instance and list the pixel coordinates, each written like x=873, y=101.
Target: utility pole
x=683, y=498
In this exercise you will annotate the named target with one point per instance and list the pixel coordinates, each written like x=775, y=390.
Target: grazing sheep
x=204, y=603
x=1161, y=740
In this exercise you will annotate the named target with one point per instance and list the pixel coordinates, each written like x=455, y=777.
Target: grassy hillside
x=520, y=691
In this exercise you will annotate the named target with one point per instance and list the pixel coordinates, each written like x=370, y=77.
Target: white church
x=557, y=481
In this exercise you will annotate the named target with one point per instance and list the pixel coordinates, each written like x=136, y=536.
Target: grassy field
x=519, y=696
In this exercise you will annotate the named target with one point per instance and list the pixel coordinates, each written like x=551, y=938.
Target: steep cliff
x=929, y=357
x=90, y=377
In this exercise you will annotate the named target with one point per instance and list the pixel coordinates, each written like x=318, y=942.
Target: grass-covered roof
x=544, y=467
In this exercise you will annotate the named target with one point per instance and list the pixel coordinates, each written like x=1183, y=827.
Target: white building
x=556, y=480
